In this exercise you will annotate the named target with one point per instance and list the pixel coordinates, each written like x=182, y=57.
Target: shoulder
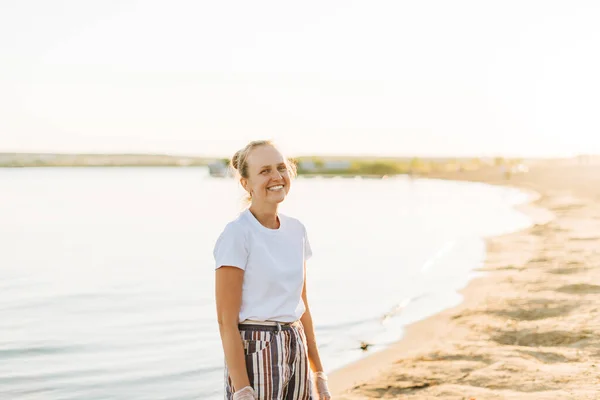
x=237, y=227
x=293, y=222
x=231, y=247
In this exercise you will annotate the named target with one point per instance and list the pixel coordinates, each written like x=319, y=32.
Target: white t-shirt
x=273, y=264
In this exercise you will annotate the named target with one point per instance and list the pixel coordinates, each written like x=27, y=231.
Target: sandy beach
x=529, y=328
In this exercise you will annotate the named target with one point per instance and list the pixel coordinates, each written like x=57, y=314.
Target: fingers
x=322, y=387
x=246, y=393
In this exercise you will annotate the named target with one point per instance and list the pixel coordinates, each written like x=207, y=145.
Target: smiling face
x=268, y=176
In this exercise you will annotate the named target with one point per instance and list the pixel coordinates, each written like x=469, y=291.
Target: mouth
x=275, y=188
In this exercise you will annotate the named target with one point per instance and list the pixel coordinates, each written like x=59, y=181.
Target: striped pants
x=277, y=362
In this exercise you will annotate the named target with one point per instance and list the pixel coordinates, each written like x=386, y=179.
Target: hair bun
x=236, y=160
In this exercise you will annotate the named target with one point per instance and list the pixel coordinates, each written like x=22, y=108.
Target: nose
x=278, y=174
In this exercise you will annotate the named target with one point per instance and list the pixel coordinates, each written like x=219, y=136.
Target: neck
x=266, y=215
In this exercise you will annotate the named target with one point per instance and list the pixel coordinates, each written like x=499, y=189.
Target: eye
x=283, y=168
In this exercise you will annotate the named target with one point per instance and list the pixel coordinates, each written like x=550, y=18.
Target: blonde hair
x=239, y=162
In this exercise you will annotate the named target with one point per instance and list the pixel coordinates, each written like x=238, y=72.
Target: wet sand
x=529, y=328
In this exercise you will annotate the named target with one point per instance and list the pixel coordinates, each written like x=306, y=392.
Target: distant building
x=336, y=165
x=307, y=165
x=329, y=165
x=219, y=169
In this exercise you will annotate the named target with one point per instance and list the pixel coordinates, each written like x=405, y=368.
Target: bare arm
x=306, y=319
x=228, y=288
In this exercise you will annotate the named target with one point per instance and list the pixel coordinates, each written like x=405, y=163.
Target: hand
x=246, y=393
x=322, y=388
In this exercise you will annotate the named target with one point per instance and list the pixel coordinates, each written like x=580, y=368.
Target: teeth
x=278, y=187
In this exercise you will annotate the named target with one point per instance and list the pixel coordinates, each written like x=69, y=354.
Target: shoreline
x=467, y=351
x=419, y=333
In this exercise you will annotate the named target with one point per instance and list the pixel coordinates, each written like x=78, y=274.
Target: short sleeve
x=307, y=249
x=230, y=248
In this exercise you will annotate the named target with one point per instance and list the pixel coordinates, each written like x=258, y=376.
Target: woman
x=264, y=320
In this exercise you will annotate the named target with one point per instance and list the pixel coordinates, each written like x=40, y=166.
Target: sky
x=393, y=78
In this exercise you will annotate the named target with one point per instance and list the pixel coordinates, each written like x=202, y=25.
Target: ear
x=244, y=183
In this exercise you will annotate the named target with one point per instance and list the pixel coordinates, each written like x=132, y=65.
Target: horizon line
x=305, y=155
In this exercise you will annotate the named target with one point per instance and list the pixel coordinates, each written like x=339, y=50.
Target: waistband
x=249, y=325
